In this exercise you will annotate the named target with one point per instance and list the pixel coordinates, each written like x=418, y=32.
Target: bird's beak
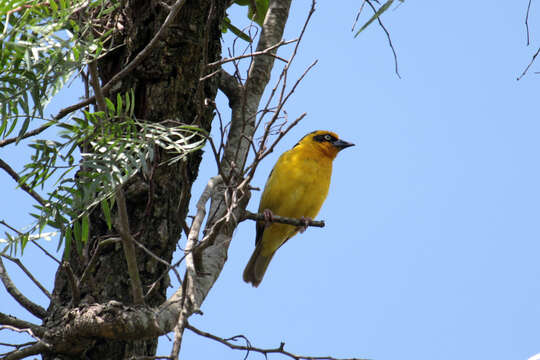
x=340, y=144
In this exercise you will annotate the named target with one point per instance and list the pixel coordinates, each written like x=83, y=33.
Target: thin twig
x=165, y=272
x=2, y=222
x=149, y=252
x=129, y=248
x=28, y=134
x=73, y=283
x=37, y=348
x=527, y=21
x=32, y=307
x=5, y=166
x=266, y=51
x=528, y=66
x=278, y=350
x=95, y=257
x=283, y=220
x=358, y=15
x=28, y=273
x=46, y=252
x=396, y=69
x=94, y=81
x=21, y=324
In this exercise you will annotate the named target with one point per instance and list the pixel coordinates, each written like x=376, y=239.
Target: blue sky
x=430, y=249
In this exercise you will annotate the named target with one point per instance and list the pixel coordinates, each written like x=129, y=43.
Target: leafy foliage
x=42, y=44
x=113, y=148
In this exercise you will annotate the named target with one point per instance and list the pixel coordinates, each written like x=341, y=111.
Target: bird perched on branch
x=296, y=188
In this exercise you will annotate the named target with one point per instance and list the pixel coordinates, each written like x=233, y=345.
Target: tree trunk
x=166, y=86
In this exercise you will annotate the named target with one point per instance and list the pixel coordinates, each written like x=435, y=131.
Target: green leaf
x=24, y=241
x=77, y=231
x=107, y=212
x=236, y=31
x=110, y=106
x=85, y=229
x=375, y=16
x=24, y=128
x=119, y=103
x=258, y=12
x=53, y=5
x=69, y=238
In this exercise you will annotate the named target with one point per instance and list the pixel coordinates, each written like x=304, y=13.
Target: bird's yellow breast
x=297, y=187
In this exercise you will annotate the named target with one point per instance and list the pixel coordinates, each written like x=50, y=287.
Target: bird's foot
x=268, y=217
x=305, y=221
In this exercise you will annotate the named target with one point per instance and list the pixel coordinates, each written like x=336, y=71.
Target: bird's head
x=325, y=142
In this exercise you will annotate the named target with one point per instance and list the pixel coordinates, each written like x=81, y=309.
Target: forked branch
x=278, y=350
x=32, y=307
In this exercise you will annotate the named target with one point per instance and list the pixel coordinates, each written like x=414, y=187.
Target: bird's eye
x=328, y=137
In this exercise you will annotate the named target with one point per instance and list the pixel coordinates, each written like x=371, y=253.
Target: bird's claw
x=305, y=221
x=268, y=217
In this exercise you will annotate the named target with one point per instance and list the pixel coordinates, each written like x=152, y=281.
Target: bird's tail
x=257, y=265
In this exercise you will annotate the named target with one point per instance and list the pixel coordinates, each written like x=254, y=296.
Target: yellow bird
x=296, y=188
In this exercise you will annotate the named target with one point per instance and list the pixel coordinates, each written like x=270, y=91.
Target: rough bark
x=244, y=101
x=166, y=86
x=100, y=319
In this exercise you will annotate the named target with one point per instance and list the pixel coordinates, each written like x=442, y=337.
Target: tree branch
x=278, y=350
x=230, y=87
x=28, y=134
x=28, y=273
x=38, y=347
x=396, y=69
x=33, y=308
x=5, y=166
x=94, y=81
x=267, y=51
x=190, y=303
x=529, y=65
x=282, y=220
x=129, y=248
x=527, y=22
x=21, y=324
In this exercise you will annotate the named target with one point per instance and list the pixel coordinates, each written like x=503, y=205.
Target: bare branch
x=5, y=166
x=358, y=15
x=189, y=291
x=230, y=87
x=528, y=66
x=21, y=324
x=157, y=258
x=33, y=308
x=28, y=273
x=46, y=252
x=283, y=220
x=278, y=350
x=38, y=347
x=129, y=248
x=527, y=21
x=267, y=51
x=396, y=70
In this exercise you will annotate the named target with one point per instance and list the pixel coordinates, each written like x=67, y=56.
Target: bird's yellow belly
x=301, y=192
